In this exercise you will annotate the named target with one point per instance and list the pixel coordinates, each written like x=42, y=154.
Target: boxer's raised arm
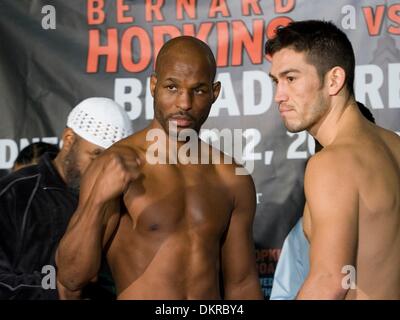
x=78, y=256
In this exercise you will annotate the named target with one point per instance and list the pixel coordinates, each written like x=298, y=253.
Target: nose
x=280, y=93
x=184, y=100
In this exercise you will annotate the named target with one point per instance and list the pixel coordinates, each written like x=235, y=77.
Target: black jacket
x=35, y=208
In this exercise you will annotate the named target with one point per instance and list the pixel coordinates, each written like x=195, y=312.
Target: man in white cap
x=37, y=202
x=92, y=126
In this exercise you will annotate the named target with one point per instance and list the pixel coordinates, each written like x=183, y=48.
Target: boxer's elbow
x=73, y=280
x=247, y=289
x=66, y=294
x=323, y=286
x=73, y=275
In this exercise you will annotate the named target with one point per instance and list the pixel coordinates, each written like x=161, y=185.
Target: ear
x=153, y=83
x=216, y=90
x=68, y=139
x=336, y=78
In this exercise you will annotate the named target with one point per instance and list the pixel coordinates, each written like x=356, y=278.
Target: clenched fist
x=111, y=173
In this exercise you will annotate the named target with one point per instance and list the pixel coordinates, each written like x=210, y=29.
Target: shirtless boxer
x=169, y=231
x=352, y=186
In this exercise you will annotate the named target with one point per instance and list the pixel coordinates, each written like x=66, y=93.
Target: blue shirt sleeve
x=293, y=265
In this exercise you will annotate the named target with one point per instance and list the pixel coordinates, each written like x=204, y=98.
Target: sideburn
x=71, y=170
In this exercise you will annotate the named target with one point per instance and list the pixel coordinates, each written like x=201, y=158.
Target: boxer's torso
x=167, y=243
x=376, y=170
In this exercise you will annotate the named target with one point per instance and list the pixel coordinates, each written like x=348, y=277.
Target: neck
x=169, y=144
x=327, y=128
x=58, y=163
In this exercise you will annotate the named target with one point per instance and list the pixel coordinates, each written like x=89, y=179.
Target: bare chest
x=167, y=199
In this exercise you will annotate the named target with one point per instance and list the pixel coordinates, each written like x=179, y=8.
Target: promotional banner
x=54, y=54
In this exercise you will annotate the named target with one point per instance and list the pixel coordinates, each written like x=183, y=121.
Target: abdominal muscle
x=181, y=268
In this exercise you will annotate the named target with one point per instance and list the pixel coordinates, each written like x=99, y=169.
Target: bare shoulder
x=131, y=141
x=390, y=135
x=333, y=164
x=240, y=187
x=331, y=156
x=128, y=146
x=234, y=175
x=392, y=140
x=331, y=185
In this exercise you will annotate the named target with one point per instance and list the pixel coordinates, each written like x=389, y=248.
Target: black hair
x=32, y=153
x=366, y=112
x=325, y=46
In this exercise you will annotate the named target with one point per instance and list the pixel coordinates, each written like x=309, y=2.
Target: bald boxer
x=352, y=186
x=37, y=201
x=170, y=231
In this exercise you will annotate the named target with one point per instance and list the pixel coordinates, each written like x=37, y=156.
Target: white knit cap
x=100, y=121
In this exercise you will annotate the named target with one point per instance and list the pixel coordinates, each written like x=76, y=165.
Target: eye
x=199, y=91
x=171, y=87
x=290, y=79
x=96, y=153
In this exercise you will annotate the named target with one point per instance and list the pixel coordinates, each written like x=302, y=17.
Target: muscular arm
x=238, y=258
x=79, y=254
x=332, y=200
